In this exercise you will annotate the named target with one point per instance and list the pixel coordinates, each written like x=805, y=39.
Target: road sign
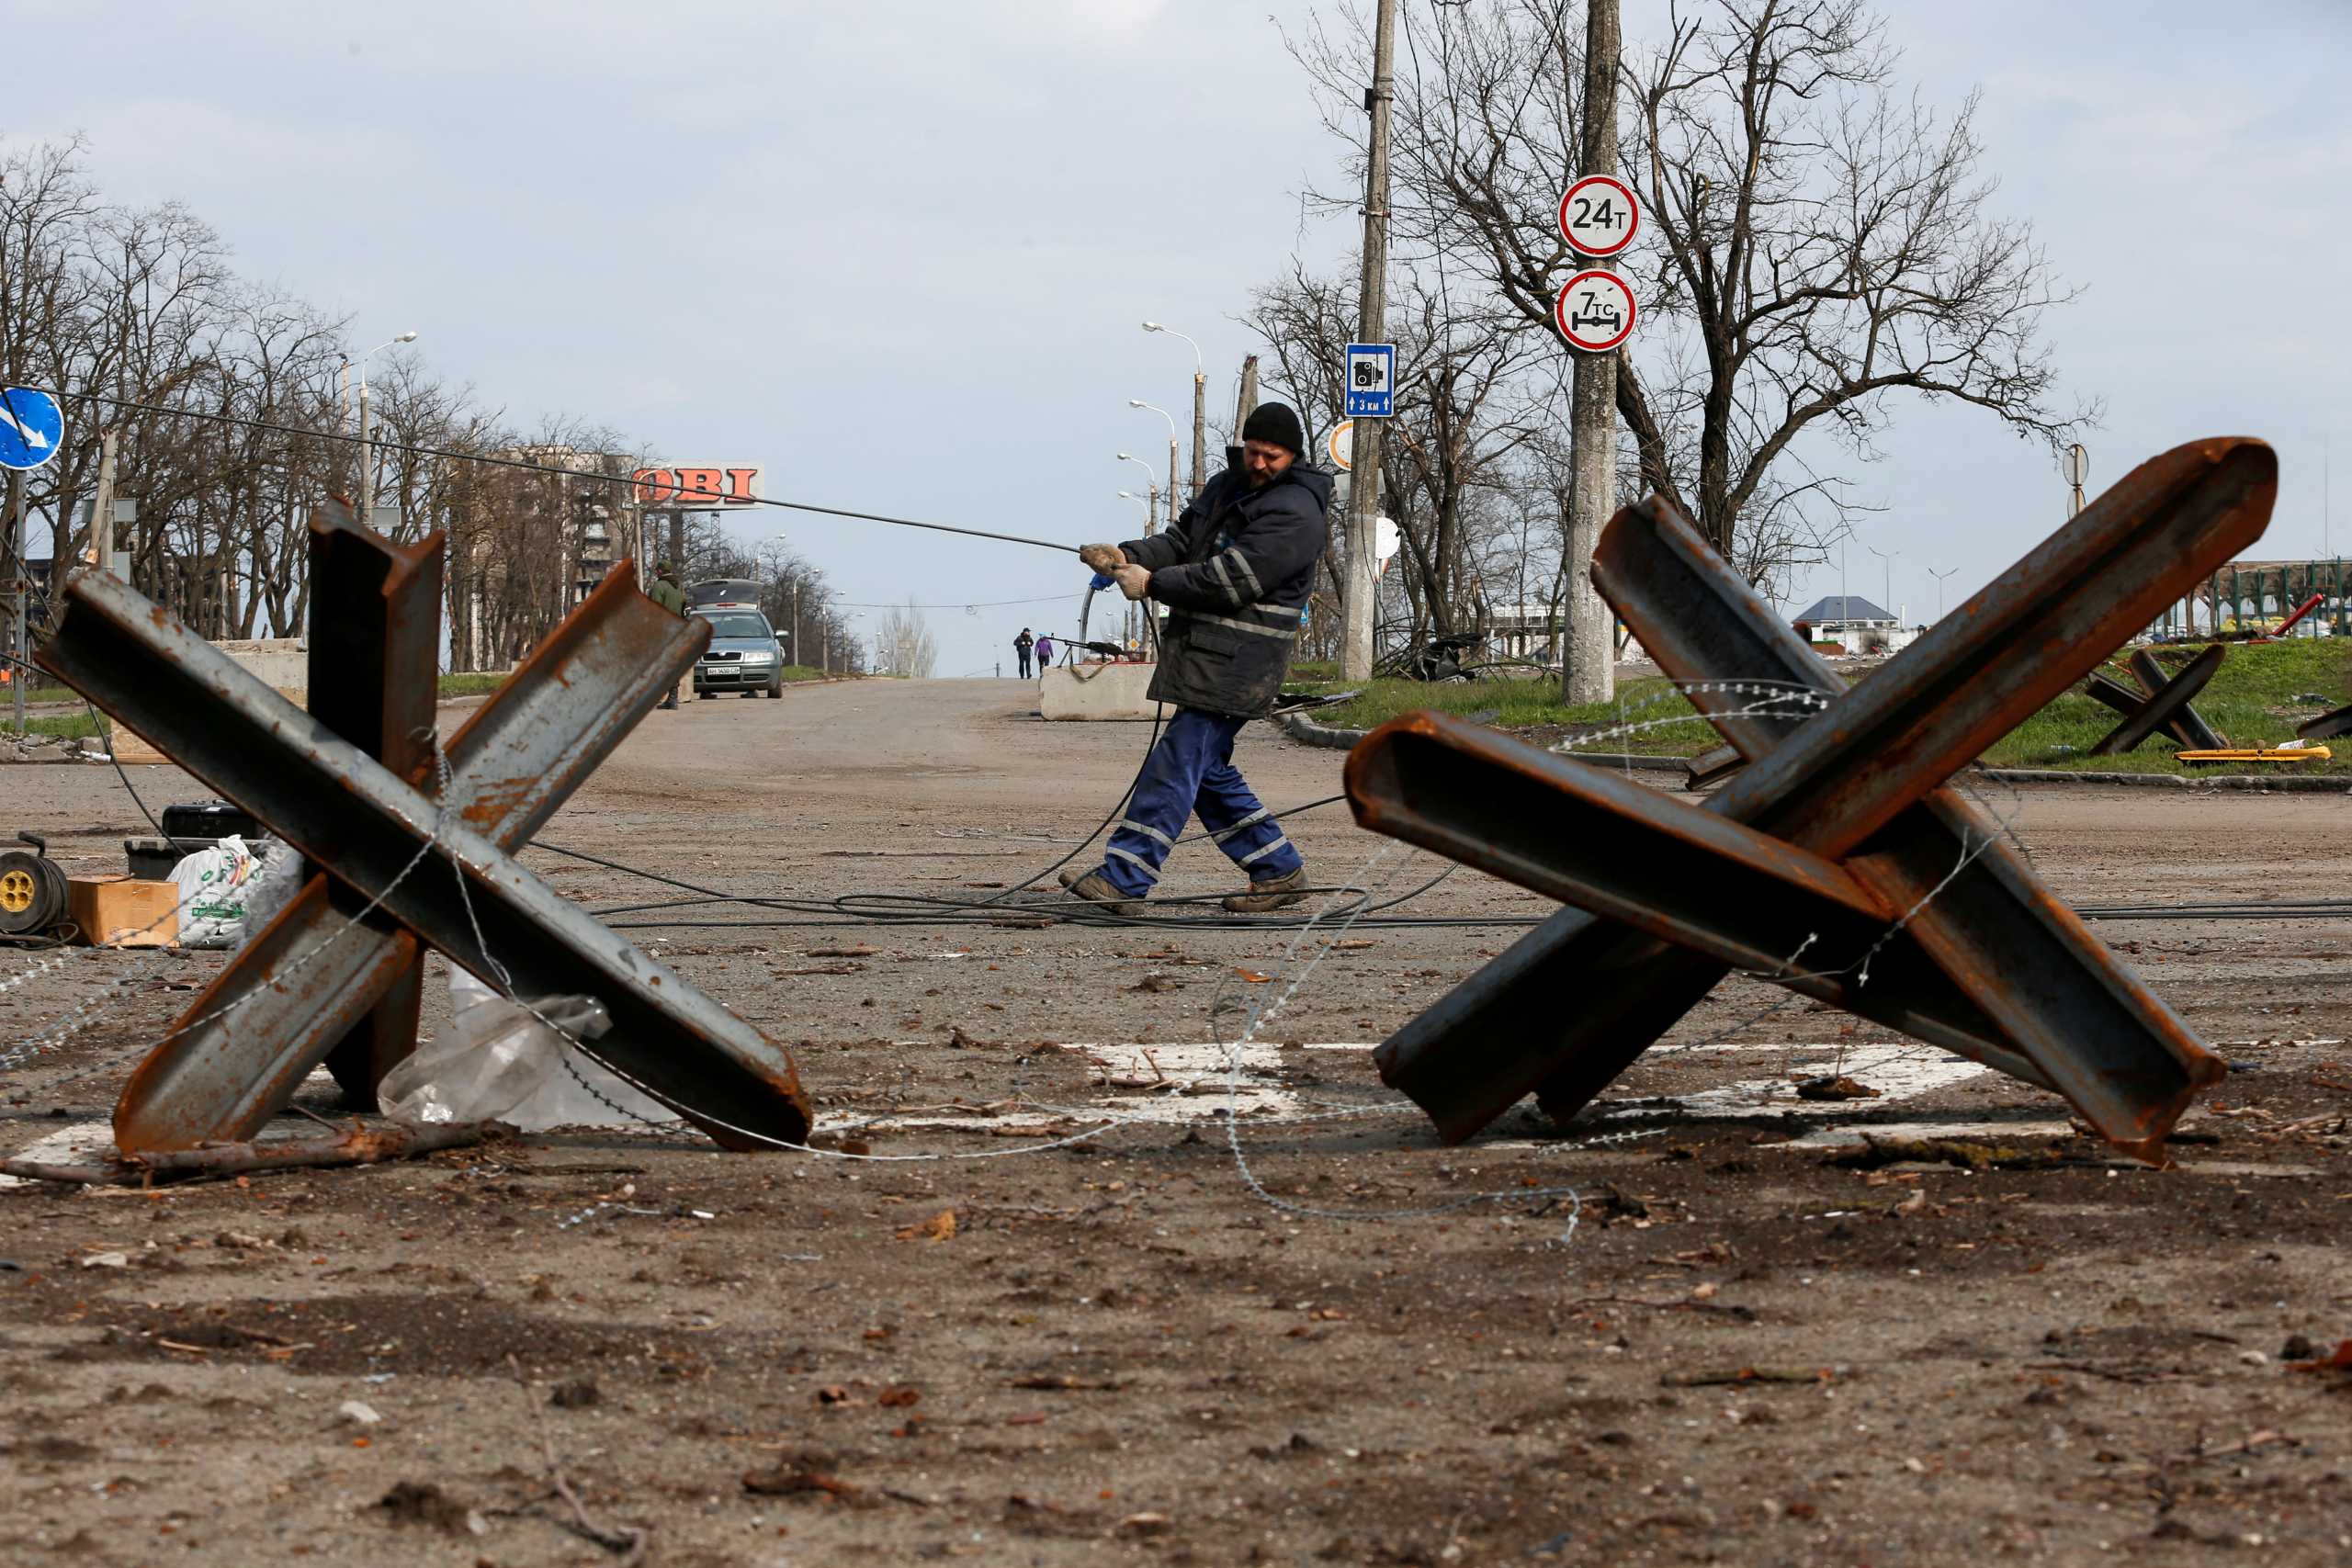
x=1595, y=311
x=1342, y=445
x=1599, y=216
x=1385, y=540
x=1372, y=380
x=32, y=427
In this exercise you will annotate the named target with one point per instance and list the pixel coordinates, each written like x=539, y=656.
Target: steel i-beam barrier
x=2162, y=703
x=2327, y=725
x=512, y=767
x=373, y=663
x=1568, y=1007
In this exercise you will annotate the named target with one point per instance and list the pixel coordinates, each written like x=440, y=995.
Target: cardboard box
x=123, y=911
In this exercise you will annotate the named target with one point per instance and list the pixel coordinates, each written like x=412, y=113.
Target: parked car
x=744, y=655
x=723, y=590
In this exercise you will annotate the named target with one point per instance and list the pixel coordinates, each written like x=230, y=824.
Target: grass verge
x=2257, y=696
x=72, y=725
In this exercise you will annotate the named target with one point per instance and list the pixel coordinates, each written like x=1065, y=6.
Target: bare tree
x=1820, y=242
x=903, y=644
x=1462, y=391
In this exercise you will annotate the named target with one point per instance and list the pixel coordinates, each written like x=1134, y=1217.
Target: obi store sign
x=695, y=490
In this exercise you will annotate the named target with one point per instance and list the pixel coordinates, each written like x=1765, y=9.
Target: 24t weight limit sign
x=1599, y=216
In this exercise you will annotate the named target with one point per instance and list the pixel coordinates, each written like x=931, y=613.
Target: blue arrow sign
x=32, y=427
x=1372, y=380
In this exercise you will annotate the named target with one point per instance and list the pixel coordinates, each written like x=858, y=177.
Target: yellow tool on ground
x=2258, y=754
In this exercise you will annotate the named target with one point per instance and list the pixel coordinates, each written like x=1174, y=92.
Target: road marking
x=1177, y=1083
x=73, y=1145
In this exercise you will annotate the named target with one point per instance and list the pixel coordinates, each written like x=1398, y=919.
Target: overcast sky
x=898, y=251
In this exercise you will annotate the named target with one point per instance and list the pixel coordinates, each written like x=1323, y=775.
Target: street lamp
x=1147, y=473
x=1200, y=410
x=367, y=447
x=1940, y=577
x=1888, y=556
x=1130, y=495
x=1139, y=404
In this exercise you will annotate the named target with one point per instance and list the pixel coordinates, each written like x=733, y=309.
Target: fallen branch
x=359, y=1145
x=629, y=1539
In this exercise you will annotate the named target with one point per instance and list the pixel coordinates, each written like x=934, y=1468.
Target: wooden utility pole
x=1589, y=656
x=1200, y=437
x=1246, y=403
x=102, y=501
x=16, y=487
x=1359, y=583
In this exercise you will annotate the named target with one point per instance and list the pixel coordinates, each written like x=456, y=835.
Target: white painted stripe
x=73, y=1145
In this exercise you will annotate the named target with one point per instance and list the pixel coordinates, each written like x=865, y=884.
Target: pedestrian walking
x=1045, y=653
x=1234, y=572
x=1020, y=647
x=666, y=592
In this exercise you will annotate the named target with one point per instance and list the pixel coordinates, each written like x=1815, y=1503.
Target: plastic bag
x=498, y=1062
x=232, y=890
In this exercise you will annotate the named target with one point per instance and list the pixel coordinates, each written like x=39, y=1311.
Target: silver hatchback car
x=744, y=655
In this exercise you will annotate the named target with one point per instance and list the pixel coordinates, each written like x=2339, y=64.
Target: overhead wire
x=679, y=495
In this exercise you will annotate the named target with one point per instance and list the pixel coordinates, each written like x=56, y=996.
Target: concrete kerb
x=1306, y=732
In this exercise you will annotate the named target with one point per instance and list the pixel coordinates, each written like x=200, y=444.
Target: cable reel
x=32, y=889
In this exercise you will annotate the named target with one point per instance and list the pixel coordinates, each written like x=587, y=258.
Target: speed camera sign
x=1600, y=215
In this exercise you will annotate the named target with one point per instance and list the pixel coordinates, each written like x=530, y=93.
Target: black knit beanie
x=1275, y=423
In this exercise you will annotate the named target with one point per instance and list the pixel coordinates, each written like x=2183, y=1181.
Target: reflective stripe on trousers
x=1189, y=773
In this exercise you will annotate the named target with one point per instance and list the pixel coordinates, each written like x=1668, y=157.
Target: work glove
x=1102, y=557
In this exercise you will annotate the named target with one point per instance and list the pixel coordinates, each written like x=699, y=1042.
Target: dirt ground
x=1686, y=1328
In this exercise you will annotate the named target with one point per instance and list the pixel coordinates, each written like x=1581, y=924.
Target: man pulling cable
x=1234, y=571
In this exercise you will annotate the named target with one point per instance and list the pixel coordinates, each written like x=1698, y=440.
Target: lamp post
x=367, y=431
x=1888, y=558
x=1139, y=404
x=1940, y=577
x=1154, y=487
x=1200, y=415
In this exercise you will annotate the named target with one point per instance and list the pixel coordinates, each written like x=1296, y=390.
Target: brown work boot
x=1096, y=887
x=1268, y=894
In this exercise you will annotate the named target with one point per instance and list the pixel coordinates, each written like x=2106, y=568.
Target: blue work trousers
x=1189, y=774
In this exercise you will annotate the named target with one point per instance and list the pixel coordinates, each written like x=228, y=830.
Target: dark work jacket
x=1234, y=572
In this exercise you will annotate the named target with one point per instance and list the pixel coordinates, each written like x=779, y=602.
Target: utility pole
x=17, y=634
x=1359, y=584
x=102, y=501
x=1173, y=507
x=1588, y=660
x=1246, y=403
x=1200, y=435
x=366, y=460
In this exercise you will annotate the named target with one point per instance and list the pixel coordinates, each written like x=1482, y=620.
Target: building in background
x=1856, y=625
x=526, y=546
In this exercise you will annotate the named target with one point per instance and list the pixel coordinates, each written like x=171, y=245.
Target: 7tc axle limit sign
x=1595, y=311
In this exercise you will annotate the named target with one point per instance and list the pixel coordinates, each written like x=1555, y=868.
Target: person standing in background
x=1021, y=646
x=666, y=592
x=1045, y=653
